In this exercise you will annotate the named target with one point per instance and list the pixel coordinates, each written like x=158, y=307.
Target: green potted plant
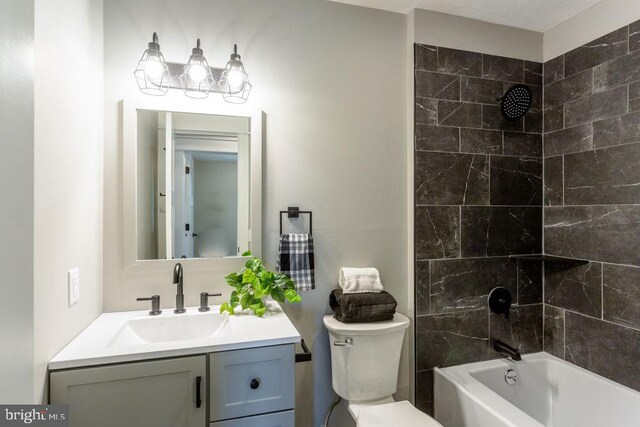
x=254, y=283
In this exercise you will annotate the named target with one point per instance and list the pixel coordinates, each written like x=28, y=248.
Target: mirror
x=193, y=184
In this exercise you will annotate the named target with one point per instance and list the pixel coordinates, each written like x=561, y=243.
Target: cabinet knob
x=255, y=383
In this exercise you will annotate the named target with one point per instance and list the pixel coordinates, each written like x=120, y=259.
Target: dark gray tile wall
x=596, y=52
x=480, y=181
x=464, y=284
x=478, y=196
x=500, y=231
x=576, y=287
x=592, y=205
x=615, y=355
x=529, y=282
x=554, y=331
x=523, y=327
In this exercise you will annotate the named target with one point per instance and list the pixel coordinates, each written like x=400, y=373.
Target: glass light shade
x=152, y=73
x=197, y=79
x=234, y=81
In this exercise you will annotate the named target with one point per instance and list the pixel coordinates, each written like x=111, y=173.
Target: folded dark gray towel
x=363, y=307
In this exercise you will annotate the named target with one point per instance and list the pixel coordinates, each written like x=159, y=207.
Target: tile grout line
x=602, y=291
x=477, y=309
x=582, y=98
x=429, y=289
x=564, y=334
x=488, y=182
x=594, y=66
x=490, y=154
x=487, y=257
x=633, y=328
x=434, y=124
x=482, y=77
x=563, y=181
x=460, y=227
x=595, y=205
x=544, y=305
x=517, y=282
x=587, y=150
x=543, y=189
x=542, y=266
x=489, y=104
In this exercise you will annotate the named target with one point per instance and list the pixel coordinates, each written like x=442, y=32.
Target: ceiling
x=535, y=15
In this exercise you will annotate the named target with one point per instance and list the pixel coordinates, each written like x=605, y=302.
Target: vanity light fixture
x=152, y=73
x=234, y=81
x=196, y=78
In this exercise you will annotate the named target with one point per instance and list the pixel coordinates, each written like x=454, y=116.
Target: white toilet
x=365, y=359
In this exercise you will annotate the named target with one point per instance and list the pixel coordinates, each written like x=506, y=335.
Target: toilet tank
x=367, y=369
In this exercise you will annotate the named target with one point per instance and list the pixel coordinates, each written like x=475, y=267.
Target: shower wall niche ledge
x=548, y=258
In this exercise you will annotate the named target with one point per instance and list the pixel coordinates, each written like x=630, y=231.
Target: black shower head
x=515, y=102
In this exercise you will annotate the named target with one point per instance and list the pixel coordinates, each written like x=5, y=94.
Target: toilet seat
x=394, y=414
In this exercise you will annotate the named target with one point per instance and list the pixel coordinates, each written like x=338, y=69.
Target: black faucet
x=504, y=348
x=177, y=280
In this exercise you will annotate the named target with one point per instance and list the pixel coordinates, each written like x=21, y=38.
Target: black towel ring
x=294, y=212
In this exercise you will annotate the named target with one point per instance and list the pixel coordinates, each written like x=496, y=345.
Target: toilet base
x=388, y=413
x=356, y=407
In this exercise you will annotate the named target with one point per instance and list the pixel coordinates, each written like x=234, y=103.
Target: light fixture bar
x=197, y=79
x=176, y=69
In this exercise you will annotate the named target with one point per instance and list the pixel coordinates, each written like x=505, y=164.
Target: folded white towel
x=359, y=280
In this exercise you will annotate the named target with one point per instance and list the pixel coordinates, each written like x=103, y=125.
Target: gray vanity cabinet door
x=158, y=393
x=251, y=382
x=279, y=419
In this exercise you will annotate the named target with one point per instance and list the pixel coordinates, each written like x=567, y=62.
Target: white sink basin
x=169, y=327
x=127, y=336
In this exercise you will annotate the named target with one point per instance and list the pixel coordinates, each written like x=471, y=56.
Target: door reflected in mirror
x=193, y=185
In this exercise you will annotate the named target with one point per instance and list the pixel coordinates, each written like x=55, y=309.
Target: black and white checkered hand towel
x=295, y=259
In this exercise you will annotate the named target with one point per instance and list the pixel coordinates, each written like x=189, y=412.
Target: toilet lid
x=395, y=414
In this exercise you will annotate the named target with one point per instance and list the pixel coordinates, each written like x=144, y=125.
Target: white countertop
x=243, y=330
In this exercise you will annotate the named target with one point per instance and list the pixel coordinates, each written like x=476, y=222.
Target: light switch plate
x=74, y=285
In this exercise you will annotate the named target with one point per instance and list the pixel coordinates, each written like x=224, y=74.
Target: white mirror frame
x=130, y=177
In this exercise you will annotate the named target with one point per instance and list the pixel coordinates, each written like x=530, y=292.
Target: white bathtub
x=549, y=392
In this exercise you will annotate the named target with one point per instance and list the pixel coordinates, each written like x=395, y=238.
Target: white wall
x=331, y=79
x=441, y=29
x=600, y=19
x=67, y=172
x=16, y=203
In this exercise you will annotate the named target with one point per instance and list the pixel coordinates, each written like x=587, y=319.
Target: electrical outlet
x=74, y=285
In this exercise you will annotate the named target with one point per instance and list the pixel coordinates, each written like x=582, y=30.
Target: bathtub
x=548, y=392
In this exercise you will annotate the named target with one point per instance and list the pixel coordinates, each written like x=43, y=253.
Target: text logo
x=34, y=415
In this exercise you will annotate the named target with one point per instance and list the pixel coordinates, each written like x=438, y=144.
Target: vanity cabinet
x=251, y=381
x=279, y=419
x=160, y=393
x=251, y=387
